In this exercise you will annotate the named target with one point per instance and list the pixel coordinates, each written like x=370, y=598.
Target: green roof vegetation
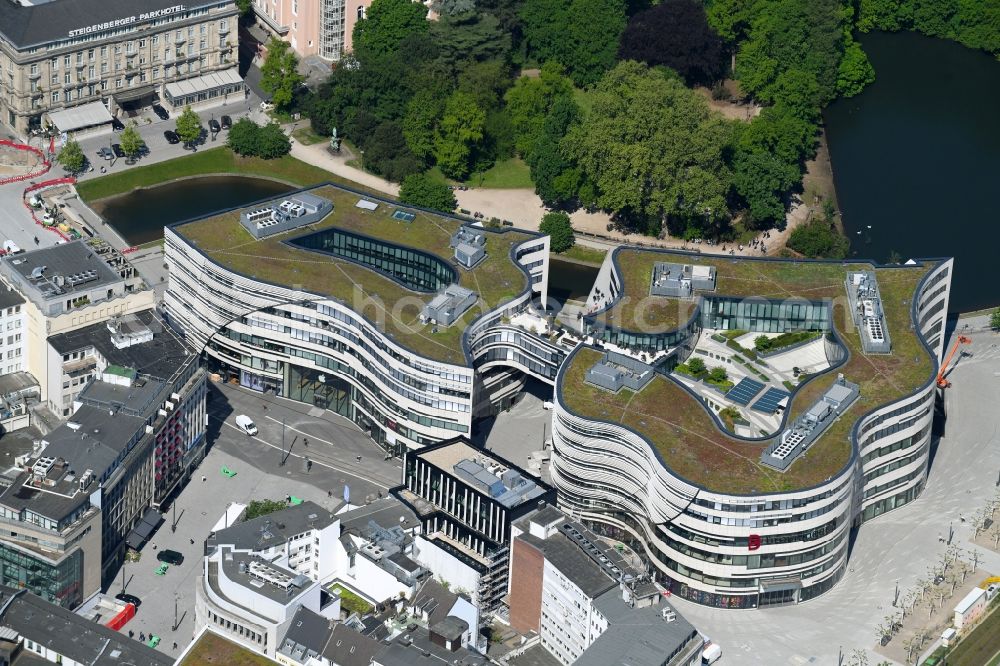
x=689, y=440
x=390, y=306
x=214, y=650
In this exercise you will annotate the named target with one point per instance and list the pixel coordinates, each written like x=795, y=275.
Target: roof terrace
x=689, y=441
x=392, y=300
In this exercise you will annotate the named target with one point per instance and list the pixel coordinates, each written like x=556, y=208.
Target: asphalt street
x=334, y=446
x=898, y=546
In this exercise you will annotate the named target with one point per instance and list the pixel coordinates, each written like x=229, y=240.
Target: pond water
x=570, y=280
x=916, y=159
x=140, y=216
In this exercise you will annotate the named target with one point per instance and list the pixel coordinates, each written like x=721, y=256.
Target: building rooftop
x=386, y=512
x=487, y=473
x=639, y=636
x=571, y=561
x=43, y=22
x=307, y=635
x=347, y=647
x=275, y=528
x=688, y=440
x=73, y=636
x=379, y=296
x=159, y=357
x=263, y=578
x=9, y=298
x=416, y=649
x=60, y=272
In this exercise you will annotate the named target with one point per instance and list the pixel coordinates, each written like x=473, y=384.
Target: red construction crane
x=941, y=381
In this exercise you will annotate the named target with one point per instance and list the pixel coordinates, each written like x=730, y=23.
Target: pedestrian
x=142, y=637
x=175, y=645
x=305, y=441
x=192, y=542
x=329, y=493
x=131, y=634
x=203, y=478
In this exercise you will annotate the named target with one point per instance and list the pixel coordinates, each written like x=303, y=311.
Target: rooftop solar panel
x=768, y=403
x=403, y=215
x=745, y=391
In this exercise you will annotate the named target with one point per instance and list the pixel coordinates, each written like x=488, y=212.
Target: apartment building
x=65, y=288
x=589, y=606
x=13, y=338
x=88, y=486
x=75, y=63
x=727, y=515
x=312, y=27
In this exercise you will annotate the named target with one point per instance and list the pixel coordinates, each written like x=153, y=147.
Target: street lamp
x=281, y=463
x=176, y=623
x=173, y=523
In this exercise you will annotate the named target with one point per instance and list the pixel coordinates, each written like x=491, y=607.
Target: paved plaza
x=899, y=546
x=334, y=445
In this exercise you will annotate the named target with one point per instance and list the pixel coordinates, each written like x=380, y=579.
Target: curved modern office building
x=727, y=515
x=400, y=319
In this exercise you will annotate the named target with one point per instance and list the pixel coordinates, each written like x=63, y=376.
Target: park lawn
x=214, y=650
x=307, y=137
x=214, y=161
x=509, y=174
x=981, y=645
x=583, y=254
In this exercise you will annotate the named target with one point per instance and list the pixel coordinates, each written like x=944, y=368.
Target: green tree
x=258, y=508
x=761, y=181
x=245, y=7
x=696, y=366
x=387, y=154
x=995, y=320
x=470, y=38
x=189, y=126
x=279, y=76
x=420, y=189
x=529, y=101
x=272, y=142
x=460, y=128
x=453, y=7
x=819, y=238
x=131, y=141
x=629, y=146
x=244, y=137
x=594, y=30
x=545, y=23
x=560, y=230
x=71, y=157
x=718, y=374
x=420, y=122
x=855, y=71
x=386, y=24
x=556, y=178
x=762, y=343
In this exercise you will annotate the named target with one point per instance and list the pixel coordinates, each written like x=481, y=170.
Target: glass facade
x=761, y=315
x=411, y=268
x=651, y=342
x=60, y=584
x=323, y=390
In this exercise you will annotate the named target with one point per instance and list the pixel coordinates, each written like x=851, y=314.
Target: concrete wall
x=526, y=569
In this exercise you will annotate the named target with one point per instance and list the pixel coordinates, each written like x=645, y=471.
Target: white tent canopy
x=77, y=117
x=366, y=205
x=201, y=84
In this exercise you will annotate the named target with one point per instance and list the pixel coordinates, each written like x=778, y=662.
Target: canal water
x=569, y=280
x=916, y=160
x=140, y=216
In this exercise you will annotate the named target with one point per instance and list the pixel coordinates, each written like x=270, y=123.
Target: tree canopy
x=131, y=141
x=279, y=76
x=420, y=189
x=975, y=23
x=652, y=148
x=582, y=35
x=461, y=125
x=386, y=24
x=71, y=157
x=189, y=126
x=250, y=139
x=676, y=34
x=560, y=231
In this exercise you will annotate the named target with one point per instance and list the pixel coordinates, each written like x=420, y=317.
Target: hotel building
x=74, y=63
x=728, y=512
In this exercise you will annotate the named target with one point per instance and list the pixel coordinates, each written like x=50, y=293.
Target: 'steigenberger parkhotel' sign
x=128, y=20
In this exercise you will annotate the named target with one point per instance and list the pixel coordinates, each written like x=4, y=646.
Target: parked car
x=171, y=137
x=246, y=424
x=117, y=148
x=129, y=599
x=266, y=106
x=170, y=557
x=227, y=122
x=105, y=152
x=36, y=201
x=213, y=125
x=10, y=247
x=160, y=112
x=116, y=124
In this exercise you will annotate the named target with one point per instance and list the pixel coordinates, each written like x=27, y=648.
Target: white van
x=711, y=654
x=244, y=423
x=10, y=247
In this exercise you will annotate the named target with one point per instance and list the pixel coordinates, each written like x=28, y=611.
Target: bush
x=420, y=189
x=560, y=231
x=696, y=366
x=257, y=508
x=762, y=343
x=718, y=374
x=249, y=139
x=819, y=238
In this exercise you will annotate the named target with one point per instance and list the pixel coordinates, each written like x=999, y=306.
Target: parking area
x=334, y=446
